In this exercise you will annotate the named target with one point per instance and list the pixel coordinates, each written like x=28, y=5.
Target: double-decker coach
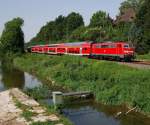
x=104, y=50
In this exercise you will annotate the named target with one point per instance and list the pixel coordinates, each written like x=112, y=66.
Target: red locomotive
x=104, y=50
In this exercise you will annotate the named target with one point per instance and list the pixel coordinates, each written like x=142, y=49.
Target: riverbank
x=18, y=109
x=110, y=82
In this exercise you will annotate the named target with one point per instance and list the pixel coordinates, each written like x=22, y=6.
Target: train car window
x=98, y=46
x=84, y=48
x=113, y=46
x=126, y=46
x=105, y=46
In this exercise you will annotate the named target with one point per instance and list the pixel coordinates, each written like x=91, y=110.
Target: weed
x=38, y=93
x=27, y=115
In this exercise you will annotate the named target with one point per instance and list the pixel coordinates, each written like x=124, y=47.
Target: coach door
x=80, y=50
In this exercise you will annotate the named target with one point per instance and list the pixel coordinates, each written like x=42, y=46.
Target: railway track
x=141, y=62
x=137, y=64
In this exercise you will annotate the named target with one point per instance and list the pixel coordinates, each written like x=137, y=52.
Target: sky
x=37, y=13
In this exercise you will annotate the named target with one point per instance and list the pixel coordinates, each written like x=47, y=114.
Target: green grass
x=38, y=93
x=21, y=106
x=64, y=121
x=110, y=82
x=26, y=113
x=144, y=57
x=43, y=123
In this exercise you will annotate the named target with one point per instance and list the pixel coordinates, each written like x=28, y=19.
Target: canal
x=11, y=77
x=80, y=112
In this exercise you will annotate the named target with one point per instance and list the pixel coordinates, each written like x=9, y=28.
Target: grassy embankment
x=144, y=57
x=110, y=82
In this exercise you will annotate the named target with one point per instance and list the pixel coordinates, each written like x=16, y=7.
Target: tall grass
x=110, y=82
x=144, y=57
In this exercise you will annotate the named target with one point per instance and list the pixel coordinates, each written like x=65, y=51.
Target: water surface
x=92, y=113
x=81, y=112
x=11, y=77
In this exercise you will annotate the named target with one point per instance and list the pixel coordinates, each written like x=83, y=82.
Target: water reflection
x=91, y=113
x=80, y=113
x=31, y=81
x=87, y=114
x=11, y=77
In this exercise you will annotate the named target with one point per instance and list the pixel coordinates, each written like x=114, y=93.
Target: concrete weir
x=58, y=96
x=11, y=114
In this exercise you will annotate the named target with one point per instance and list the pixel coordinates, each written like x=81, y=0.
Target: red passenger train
x=103, y=50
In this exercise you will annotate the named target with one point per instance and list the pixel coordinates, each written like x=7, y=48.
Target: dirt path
x=14, y=103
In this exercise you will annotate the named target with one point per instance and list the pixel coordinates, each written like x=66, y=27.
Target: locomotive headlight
x=128, y=51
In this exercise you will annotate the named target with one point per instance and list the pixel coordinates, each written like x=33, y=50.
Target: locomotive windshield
x=126, y=46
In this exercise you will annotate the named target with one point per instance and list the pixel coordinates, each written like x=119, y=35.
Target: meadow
x=110, y=82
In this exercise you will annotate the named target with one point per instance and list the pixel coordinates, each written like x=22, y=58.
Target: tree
x=100, y=19
x=59, y=29
x=73, y=21
x=59, y=32
x=12, y=39
x=134, y=4
x=46, y=32
x=94, y=34
x=78, y=34
x=141, y=29
x=52, y=31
